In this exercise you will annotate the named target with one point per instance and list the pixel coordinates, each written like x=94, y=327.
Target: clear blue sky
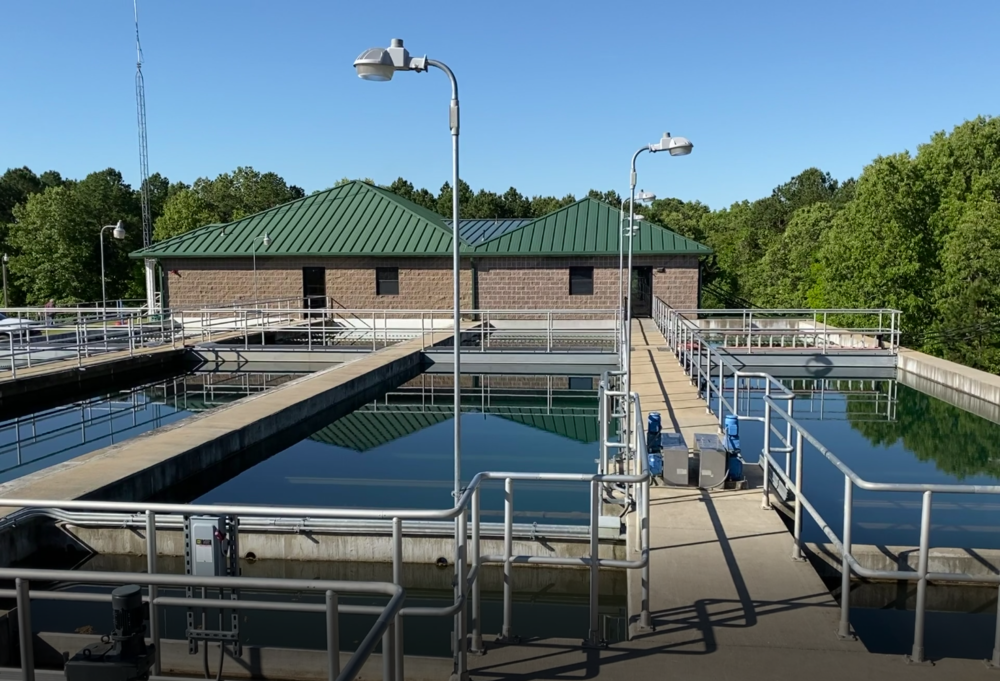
x=556, y=95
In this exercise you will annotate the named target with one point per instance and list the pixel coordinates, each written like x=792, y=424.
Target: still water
x=45, y=438
x=397, y=452
x=888, y=432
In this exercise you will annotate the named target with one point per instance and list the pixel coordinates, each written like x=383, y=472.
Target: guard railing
x=468, y=557
x=782, y=460
x=758, y=330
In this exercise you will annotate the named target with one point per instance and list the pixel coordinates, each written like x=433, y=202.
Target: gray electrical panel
x=675, y=459
x=713, y=460
x=205, y=546
x=212, y=550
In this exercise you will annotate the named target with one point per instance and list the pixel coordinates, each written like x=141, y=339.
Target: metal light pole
x=118, y=233
x=379, y=64
x=643, y=197
x=677, y=146
x=5, y=259
x=266, y=240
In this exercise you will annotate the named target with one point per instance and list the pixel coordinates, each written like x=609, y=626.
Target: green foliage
x=226, y=198
x=958, y=442
x=56, y=239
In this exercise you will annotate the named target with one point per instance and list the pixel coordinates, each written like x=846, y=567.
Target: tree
x=56, y=233
x=182, y=212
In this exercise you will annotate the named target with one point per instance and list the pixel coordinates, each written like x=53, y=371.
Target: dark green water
x=914, y=438
x=397, y=452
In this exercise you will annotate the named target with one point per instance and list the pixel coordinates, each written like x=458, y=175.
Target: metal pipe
x=797, y=547
x=995, y=660
x=845, y=566
x=917, y=655
x=24, y=633
x=508, y=550
x=477, y=624
x=332, y=636
x=593, y=637
x=461, y=617
x=397, y=579
x=154, y=613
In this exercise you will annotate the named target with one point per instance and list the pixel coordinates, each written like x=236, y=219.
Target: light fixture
x=267, y=241
x=645, y=197
x=677, y=146
x=379, y=63
x=119, y=231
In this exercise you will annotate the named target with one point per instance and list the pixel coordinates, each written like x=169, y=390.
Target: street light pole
x=5, y=303
x=266, y=240
x=118, y=233
x=379, y=64
x=677, y=146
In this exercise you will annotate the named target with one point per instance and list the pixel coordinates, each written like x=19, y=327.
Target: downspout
x=475, y=283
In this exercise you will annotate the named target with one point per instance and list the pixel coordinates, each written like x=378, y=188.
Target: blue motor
x=654, y=444
x=731, y=438
x=656, y=465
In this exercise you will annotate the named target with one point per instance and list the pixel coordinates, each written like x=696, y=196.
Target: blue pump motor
x=731, y=429
x=654, y=425
x=656, y=465
x=653, y=433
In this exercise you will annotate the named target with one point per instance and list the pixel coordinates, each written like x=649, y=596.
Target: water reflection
x=397, y=451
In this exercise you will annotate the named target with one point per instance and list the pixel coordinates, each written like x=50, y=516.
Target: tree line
x=917, y=232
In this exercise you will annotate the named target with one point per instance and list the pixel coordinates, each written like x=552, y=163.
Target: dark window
x=581, y=281
x=387, y=281
x=581, y=383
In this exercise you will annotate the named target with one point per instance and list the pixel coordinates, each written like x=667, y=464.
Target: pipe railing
x=696, y=357
x=383, y=629
x=834, y=329
x=468, y=556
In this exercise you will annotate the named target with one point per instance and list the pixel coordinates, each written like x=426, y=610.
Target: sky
x=556, y=95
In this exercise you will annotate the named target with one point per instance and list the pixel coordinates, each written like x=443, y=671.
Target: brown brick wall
x=539, y=283
x=425, y=283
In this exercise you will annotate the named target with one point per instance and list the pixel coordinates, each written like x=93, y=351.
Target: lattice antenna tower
x=140, y=105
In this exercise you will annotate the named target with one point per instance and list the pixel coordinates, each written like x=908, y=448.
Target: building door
x=313, y=288
x=642, y=292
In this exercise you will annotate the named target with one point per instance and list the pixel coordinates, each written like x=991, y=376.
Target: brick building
x=357, y=246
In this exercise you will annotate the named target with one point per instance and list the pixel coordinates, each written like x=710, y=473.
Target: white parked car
x=16, y=324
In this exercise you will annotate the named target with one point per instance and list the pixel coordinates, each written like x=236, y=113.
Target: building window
x=387, y=281
x=581, y=383
x=581, y=281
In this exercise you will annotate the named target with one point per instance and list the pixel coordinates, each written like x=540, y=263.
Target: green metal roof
x=359, y=219
x=587, y=227
x=352, y=219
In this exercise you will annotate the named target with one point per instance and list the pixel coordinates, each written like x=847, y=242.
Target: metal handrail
x=381, y=630
x=690, y=348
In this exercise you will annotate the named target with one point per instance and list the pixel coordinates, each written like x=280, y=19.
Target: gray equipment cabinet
x=675, y=459
x=713, y=460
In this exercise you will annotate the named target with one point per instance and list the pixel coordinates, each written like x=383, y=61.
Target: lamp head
x=645, y=197
x=375, y=64
x=119, y=231
x=5, y=258
x=267, y=241
x=379, y=63
x=677, y=146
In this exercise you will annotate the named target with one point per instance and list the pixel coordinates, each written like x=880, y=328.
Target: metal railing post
x=461, y=617
x=397, y=578
x=845, y=564
x=995, y=660
x=154, y=618
x=332, y=637
x=508, y=550
x=917, y=655
x=477, y=624
x=797, y=548
x=593, y=637
x=602, y=427
x=718, y=393
x=374, y=334
x=548, y=332
x=387, y=652
x=24, y=633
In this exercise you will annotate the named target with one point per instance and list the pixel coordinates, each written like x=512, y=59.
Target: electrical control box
x=675, y=459
x=713, y=460
x=205, y=538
